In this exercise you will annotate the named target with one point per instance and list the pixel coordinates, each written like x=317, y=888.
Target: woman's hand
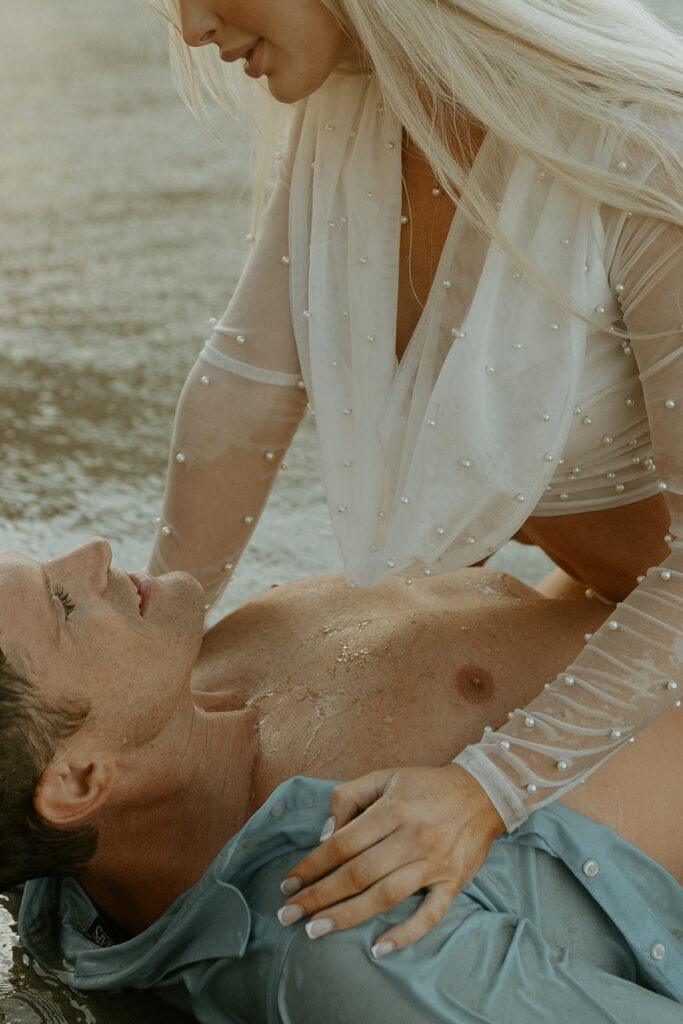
x=420, y=828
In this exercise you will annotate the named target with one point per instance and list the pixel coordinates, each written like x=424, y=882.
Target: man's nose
x=90, y=562
x=198, y=26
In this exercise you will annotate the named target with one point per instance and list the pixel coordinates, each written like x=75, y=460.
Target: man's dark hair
x=29, y=733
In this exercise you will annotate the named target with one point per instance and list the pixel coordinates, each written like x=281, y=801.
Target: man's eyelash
x=61, y=595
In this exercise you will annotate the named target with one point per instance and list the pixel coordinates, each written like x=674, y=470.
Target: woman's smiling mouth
x=142, y=584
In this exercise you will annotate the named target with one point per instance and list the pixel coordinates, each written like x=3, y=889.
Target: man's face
x=122, y=644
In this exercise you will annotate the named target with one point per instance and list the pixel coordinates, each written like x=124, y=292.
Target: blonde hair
x=444, y=64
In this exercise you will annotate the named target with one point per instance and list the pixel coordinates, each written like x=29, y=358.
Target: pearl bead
x=228, y=566
x=667, y=538
x=611, y=476
x=622, y=165
x=466, y=463
x=590, y=868
x=345, y=313
x=607, y=439
x=545, y=417
x=490, y=369
x=672, y=685
x=391, y=145
x=428, y=572
x=665, y=574
x=158, y=520
x=269, y=456
x=520, y=498
x=657, y=950
x=440, y=530
x=180, y=457
x=677, y=704
x=381, y=515
x=404, y=499
x=205, y=381
x=619, y=488
x=240, y=339
x=347, y=412
x=390, y=563
x=633, y=442
x=166, y=530
x=487, y=729
x=529, y=722
x=342, y=509
x=446, y=284
x=363, y=260
x=250, y=237
x=517, y=347
x=300, y=384
x=639, y=579
x=347, y=463
x=587, y=637
x=569, y=680
x=404, y=219
x=577, y=410
x=564, y=496
x=371, y=338
x=615, y=734
x=471, y=540
x=635, y=460
x=566, y=241
x=630, y=402
x=554, y=327
x=613, y=625
x=517, y=275
x=576, y=469
x=212, y=321
x=670, y=404
x=285, y=260
x=661, y=486
x=562, y=766
x=619, y=288
x=278, y=154
x=541, y=173
x=586, y=421
x=331, y=224
x=284, y=467
x=436, y=191
x=370, y=195
x=547, y=457
x=626, y=349
x=329, y=127
x=457, y=333
x=247, y=520
x=599, y=309
x=531, y=788
x=306, y=314
x=431, y=423
x=333, y=363
x=206, y=607
x=408, y=581
x=505, y=745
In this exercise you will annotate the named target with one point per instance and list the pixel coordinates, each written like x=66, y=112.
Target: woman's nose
x=198, y=25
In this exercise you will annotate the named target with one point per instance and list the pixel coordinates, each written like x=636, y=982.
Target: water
x=122, y=232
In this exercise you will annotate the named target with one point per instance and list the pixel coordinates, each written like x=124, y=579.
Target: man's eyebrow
x=48, y=590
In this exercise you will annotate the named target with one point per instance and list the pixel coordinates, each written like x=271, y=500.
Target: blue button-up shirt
x=566, y=921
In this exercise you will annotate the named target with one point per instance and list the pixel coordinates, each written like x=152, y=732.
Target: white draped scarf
x=434, y=462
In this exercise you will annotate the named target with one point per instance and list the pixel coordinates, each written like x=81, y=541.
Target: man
x=163, y=750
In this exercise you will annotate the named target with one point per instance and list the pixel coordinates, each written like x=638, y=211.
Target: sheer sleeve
x=631, y=669
x=238, y=411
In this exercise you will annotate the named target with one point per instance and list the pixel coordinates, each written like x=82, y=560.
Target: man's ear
x=67, y=793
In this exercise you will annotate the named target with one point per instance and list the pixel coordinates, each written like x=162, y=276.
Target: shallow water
x=122, y=232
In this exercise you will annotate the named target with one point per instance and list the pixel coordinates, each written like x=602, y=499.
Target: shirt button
x=277, y=809
x=590, y=868
x=657, y=950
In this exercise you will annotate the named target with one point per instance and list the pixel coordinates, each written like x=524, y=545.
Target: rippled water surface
x=122, y=232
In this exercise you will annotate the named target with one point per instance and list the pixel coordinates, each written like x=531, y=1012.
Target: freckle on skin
x=475, y=684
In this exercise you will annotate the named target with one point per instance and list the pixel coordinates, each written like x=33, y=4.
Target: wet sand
x=122, y=232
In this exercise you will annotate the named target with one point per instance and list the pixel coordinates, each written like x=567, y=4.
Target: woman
x=472, y=261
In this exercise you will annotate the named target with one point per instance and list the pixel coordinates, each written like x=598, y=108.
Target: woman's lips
x=239, y=51
x=143, y=584
x=254, y=64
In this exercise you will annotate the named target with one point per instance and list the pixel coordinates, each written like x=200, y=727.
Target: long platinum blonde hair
x=443, y=64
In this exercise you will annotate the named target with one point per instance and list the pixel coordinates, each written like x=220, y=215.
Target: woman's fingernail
x=290, y=914
x=328, y=829
x=291, y=885
x=382, y=948
x=321, y=926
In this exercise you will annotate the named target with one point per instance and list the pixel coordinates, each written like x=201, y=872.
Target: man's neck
x=173, y=814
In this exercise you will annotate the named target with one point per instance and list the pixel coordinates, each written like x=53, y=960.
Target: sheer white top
x=502, y=405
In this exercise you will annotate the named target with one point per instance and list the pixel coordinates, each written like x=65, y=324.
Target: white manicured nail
x=291, y=885
x=321, y=926
x=382, y=948
x=290, y=914
x=328, y=829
